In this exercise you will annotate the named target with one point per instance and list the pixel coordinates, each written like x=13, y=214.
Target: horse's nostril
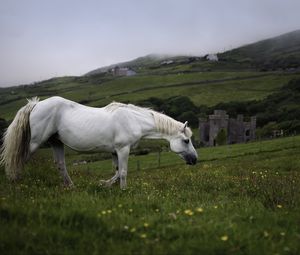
x=190, y=159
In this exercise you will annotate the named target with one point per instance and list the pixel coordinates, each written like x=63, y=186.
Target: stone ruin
x=237, y=130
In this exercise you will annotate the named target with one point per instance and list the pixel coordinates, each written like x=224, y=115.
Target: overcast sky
x=40, y=39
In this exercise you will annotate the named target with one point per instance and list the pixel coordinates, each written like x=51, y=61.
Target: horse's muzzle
x=190, y=159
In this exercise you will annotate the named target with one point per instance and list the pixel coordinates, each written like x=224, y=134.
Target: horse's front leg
x=123, y=155
x=115, y=178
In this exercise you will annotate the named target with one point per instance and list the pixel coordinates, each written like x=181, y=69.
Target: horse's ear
x=185, y=126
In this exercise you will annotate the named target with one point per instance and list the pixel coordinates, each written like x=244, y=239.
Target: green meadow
x=203, y=88
x=239, y=199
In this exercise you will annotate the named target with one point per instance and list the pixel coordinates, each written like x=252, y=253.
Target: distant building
x=212, y=57
x=237, y=130
x=167, y=62
x=122, y=71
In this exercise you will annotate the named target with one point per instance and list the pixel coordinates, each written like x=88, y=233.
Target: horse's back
x=80, y=127
x=57, y=107
x=84, y=128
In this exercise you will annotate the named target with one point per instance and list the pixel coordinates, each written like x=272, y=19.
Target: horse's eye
x=186, y=141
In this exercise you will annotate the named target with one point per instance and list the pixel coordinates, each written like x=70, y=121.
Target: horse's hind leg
x=115, y=178
x=59, y=160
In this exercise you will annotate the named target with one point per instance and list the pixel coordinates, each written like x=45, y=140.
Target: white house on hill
x=212, y=57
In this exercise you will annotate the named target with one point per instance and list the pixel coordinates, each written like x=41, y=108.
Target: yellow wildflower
x=279, y=206
x=224, y=238
x=143, y=236
x=146, y=225
x=199, y=210
x=189, y=212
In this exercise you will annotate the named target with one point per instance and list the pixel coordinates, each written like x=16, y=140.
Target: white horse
x=115, y=128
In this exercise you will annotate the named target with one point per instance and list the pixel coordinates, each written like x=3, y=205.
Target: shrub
x=3, y=126
x=221, y=138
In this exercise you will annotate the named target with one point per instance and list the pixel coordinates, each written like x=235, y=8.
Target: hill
x=156, y=64
x=152, y=59
x=281, y=52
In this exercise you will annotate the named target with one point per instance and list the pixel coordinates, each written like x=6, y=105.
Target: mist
x=44, y=39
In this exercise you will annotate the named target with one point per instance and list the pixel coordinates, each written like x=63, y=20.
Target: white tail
x=16, y=139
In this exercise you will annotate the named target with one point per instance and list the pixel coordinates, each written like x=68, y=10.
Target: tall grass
x=242, y=199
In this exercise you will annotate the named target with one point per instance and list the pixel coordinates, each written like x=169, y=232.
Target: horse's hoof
x=69, y=185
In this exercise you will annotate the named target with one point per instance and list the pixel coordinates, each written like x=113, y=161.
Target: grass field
x=203, y=88
x=239, y=199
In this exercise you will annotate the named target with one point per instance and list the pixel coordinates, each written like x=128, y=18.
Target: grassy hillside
x=208, y=88
x=241, y=199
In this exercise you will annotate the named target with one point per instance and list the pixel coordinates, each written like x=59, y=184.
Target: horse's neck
x=150, y=131
x=156, y=135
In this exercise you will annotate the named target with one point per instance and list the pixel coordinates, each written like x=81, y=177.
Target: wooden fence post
x=158, y=158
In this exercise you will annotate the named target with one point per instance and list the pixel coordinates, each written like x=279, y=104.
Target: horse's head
x=182, y=145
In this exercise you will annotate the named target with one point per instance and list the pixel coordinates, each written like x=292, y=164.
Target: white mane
x=169, y=126
x=163, y=123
